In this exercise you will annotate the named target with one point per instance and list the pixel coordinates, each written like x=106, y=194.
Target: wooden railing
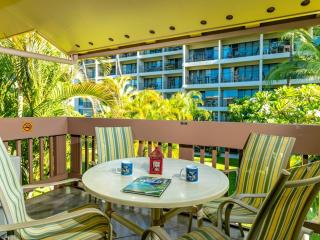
x=50, y=138
x=60, y=141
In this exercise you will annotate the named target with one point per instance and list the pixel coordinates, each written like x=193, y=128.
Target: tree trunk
x=20, y=102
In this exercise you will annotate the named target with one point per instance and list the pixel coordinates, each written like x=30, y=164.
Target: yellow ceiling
x=69, y=22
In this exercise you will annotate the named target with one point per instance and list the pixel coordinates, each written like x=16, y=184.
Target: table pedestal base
x=158, y=218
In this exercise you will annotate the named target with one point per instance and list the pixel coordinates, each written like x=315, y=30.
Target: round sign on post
x=27, y=126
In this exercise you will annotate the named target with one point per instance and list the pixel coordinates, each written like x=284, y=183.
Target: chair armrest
x=40, y=185
x=249, y=195
x=229, y=205
x=231, y=170
x=158, y=231
x=308, y=231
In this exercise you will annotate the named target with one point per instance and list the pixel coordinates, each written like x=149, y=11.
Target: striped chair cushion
x=285, y=219
x=239, y=214
x=89, y=226
x=114, y=143
x=263, y=158
x=11, y=195
x=204, y=233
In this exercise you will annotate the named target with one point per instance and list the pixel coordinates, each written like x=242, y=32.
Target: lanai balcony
x=67, y=146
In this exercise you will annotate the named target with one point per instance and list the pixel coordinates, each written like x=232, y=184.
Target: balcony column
x=96, y=76
x=185, y=73
x=261, y=64
x=139, y=80
x=164, y=61
x=219, y=78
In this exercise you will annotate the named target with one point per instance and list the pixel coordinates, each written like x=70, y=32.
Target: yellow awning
x=84, y=26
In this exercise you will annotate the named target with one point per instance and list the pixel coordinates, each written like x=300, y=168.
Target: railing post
x=76, y=156
x=59, y=155
x=186, y=152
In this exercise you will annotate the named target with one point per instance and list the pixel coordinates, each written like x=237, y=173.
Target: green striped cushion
x=89, y=227
x=239, y=214
x=204, y=233
x=263, y=158
x=11, y=195
x=282, y=222
x=114, y=143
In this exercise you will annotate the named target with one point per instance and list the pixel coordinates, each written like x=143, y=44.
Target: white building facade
x=222, y=70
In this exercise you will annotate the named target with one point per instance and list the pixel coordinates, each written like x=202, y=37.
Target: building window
x=204, y=76
x=203, y=54
x=173, y=64
x=153, y=66
x=91, y=72
x=152, y=51
x=228, y=97
x=276, y=45
x=113, y=70
x=152, y=83
x=227, y=75
x=242, y=93
x=225, y=117
x=129, y=68
x=89, y=61
x=267, y=68
x=210, y=98
x=133, y=83
x=130, y=54
x=176, y=48
x=174, y=82
x=240, y=50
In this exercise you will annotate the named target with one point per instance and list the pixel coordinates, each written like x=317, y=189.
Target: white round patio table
x=103, y=182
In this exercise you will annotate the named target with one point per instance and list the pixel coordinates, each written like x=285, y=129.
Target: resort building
x=222, y=70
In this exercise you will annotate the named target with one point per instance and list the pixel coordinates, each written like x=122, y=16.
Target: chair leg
x=190, y=221
x=241, y=229
x=200, y=216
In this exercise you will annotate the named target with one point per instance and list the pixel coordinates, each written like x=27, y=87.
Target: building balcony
x=201, y=57
x=202, y=80
x=173, y=67
x=152, y=69
x=126, y=55
x=129, y=71
x=173, y=85
x=211, y=102
x=225, y=102
x=154, y=86
x=172, y=49
x=151, y=53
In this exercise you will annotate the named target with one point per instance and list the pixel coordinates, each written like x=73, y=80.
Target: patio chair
x=84, y=223
x=263, y=158
x=280, y=217
x=114, y=143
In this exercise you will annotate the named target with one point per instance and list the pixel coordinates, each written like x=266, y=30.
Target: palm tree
x=185, y=106
x=42, y=88
x=304, y=63
x=148, y=104
x=122, y=93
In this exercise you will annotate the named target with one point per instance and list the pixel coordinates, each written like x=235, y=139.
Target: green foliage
x=34, y=88
x=150, y=104
x=305, y=62
x=283, y=105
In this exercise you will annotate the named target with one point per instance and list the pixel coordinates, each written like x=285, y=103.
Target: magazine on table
x=150, y=186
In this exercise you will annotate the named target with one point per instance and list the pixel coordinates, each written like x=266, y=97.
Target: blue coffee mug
x=126, y=168
x=192, y=173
